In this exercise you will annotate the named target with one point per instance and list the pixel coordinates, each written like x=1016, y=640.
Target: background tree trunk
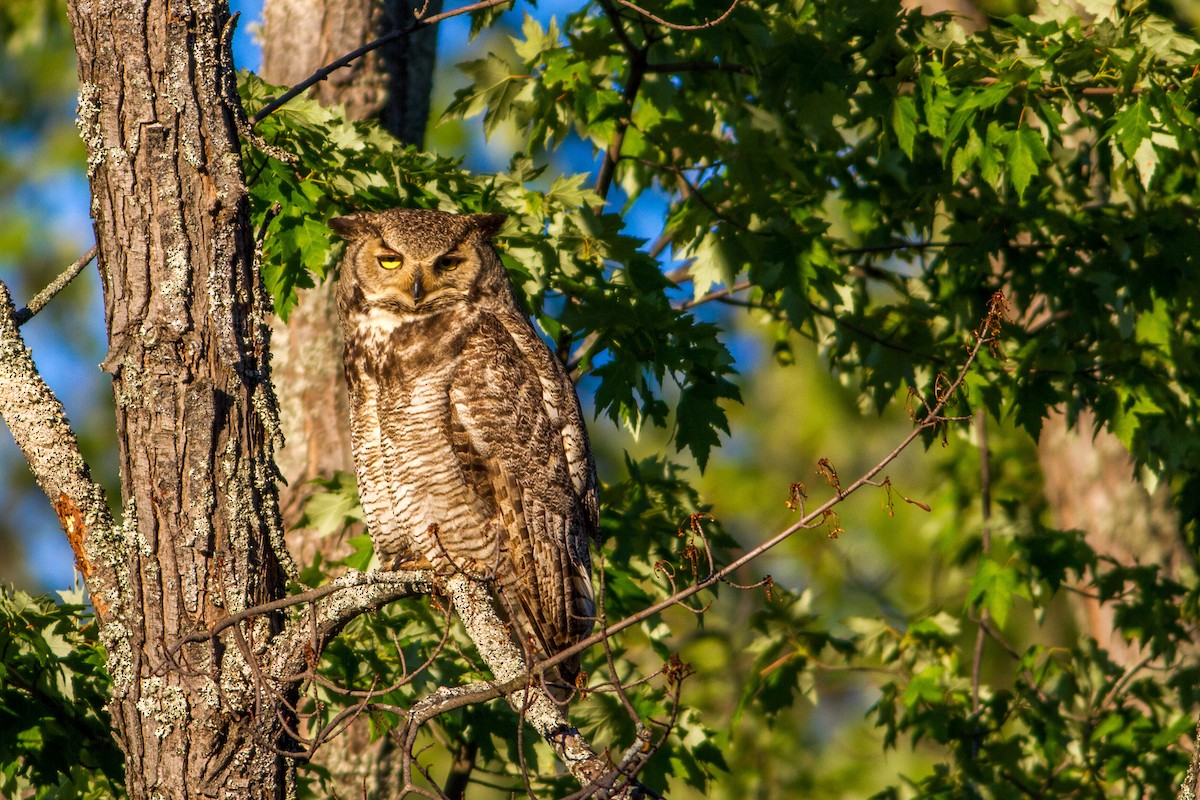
x=195, y=417
x=393, y=84
x=1090, y=486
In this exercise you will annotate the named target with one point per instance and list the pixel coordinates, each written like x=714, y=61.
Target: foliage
x=870, y=179
x=55, y=739
x=859, y=180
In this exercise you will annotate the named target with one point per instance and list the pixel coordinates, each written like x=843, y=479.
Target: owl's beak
x=417, y=290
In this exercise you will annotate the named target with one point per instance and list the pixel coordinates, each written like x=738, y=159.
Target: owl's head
x=415, y=261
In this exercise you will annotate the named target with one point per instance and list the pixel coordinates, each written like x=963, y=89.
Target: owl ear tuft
x=489, y=224
x=353, y=226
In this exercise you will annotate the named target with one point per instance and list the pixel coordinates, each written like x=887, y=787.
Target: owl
x=467, y=434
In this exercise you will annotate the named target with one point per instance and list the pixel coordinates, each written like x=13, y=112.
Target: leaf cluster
x=55, y=733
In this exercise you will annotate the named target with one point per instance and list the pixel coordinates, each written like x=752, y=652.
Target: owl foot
x=419, y=563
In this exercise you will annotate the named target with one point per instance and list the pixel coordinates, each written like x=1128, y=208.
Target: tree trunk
x=393, y=84
x=188, y=342
x=1090, y=486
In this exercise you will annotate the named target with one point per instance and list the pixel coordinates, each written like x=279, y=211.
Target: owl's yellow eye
x=389, y=261
x=447, y=263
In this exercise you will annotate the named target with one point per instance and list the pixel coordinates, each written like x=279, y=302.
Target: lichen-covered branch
x=57, y=285
x=335, y=605
x=473, y=602
x=39, y=425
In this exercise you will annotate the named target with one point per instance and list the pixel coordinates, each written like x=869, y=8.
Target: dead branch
x=57, y=285
x=39, y=425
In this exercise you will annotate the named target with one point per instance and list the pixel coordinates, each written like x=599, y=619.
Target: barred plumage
x=468, y=437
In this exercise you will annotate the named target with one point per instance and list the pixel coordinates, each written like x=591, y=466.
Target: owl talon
x=419, y=563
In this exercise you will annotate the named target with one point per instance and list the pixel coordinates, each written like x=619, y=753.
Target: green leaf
x=966, y=155
x=995, y=588
x=334, y=506
x=904, y=123
x=1132, y=126
x=1026, y=153
x=700, y=418
x=360, y=559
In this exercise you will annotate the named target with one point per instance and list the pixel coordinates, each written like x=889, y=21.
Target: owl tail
x=540, y=637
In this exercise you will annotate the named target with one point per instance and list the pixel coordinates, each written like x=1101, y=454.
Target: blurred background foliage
x=873, y=175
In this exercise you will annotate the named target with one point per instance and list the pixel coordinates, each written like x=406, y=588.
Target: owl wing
x=518, y=431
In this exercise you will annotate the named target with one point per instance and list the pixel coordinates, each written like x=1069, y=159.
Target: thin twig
x=709, y=23
x=348, y=59
x=407, y=584
x=931, y=420
x=57, y=285
x=716, y=294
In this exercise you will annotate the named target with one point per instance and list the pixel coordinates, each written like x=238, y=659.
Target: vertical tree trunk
x=195, y=415
x=1091, y=487
x=392, y=84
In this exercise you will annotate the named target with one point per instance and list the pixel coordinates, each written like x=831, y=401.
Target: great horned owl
x=468, y=437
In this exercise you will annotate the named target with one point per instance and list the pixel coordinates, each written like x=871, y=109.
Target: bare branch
x=344, y=599
x=348, y=59
x=932, y=419
x=57, y=285
x=717, y=294
x=676, y=26
x=386, y=586
x=39, y=425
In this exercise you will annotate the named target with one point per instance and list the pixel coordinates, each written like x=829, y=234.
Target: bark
x=1090, y=486
x=187, y=352
x=393, y=84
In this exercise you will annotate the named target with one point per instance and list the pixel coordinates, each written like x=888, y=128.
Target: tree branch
x=39, y=425
x=473, y=602
x=348, y=59
x=344, y=598
x=633, y=82
x=57, y=285
x=708, y=23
